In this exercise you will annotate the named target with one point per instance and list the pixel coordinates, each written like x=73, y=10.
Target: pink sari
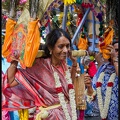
x=36, y=88
x=5, y=114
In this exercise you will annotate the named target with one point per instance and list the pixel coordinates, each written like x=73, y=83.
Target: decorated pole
x=94, y=40
x=81, y=111
x=65, y=16
x=80, y=25
x=94, y=33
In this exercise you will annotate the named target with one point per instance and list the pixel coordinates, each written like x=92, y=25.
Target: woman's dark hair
x=52, y=38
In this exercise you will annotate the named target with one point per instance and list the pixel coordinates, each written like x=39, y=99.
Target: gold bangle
x=74, y=66
x=116, y=60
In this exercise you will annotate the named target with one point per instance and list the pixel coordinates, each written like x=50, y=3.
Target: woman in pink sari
x=47, y=85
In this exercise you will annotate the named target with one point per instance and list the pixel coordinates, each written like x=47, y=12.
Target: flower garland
x=104, y=108
x=61, y=96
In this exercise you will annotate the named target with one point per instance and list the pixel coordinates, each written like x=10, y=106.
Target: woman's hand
x=73, y=59
x=112, y=53
x=88, y=84
x=87, y=80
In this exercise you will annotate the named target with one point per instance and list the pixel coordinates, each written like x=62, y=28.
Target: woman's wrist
x=14, y=63
x=90, y=97
x=74, y=64
x=89, y=90
x=115, y=59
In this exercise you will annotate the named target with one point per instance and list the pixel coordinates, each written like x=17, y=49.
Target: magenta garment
x=36, y=88
x=5, y=115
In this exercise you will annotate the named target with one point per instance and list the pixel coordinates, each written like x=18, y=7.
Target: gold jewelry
x=115, y=60
x=74, y=66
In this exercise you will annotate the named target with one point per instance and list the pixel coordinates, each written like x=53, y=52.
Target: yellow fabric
x=43, y=6
x=24, y=17
x=83, y=44
x=10, y=24
x=42, y=110
x=23, y=114
x=31, y=39
x=107, y=40
x=69, y=2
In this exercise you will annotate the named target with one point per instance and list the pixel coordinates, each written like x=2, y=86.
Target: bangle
x=90, y=97
x=74, y=66
x=115, y=61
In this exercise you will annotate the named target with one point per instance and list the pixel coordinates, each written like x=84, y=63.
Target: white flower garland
x=104, y=108
x=71, y=95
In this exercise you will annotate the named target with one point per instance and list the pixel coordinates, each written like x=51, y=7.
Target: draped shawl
x=36, y=88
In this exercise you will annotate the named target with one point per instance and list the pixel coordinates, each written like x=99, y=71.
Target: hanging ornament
x=69, y=2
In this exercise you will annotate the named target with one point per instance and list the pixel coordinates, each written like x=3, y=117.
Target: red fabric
x=36, y=88
x=31, y=118
x=81, y=115
x=92, y=69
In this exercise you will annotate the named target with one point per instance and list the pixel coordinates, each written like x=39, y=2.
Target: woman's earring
x=50, y=52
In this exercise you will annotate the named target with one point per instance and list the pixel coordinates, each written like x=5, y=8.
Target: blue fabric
x=108, y=69
x=14, y=115
x=5, y=65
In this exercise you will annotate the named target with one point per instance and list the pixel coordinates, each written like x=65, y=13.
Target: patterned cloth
x=36, y=88
x=108, y=69
x=7, y=115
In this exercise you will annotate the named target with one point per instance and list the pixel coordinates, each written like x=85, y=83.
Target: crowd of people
x=46, y=90
x=47, y=85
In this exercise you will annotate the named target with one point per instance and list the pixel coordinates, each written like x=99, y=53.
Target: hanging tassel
x=81, y=115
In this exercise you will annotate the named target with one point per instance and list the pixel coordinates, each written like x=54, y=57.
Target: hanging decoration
x=69, y=2
x=82, y=43
x=107, y=40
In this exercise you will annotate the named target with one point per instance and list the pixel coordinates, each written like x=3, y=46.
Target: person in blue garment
x=102, y=90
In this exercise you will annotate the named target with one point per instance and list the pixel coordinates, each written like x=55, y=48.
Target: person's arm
x=11, y=73
x=89, y=92
x=74, y=71
x=114, y=57
x=88, y=84
x=115, y=63
x=74, y=66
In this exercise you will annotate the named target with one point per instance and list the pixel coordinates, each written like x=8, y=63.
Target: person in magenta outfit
x=47, y=85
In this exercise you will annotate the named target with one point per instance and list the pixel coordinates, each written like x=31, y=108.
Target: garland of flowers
x=104, y=108
x=71, y=95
